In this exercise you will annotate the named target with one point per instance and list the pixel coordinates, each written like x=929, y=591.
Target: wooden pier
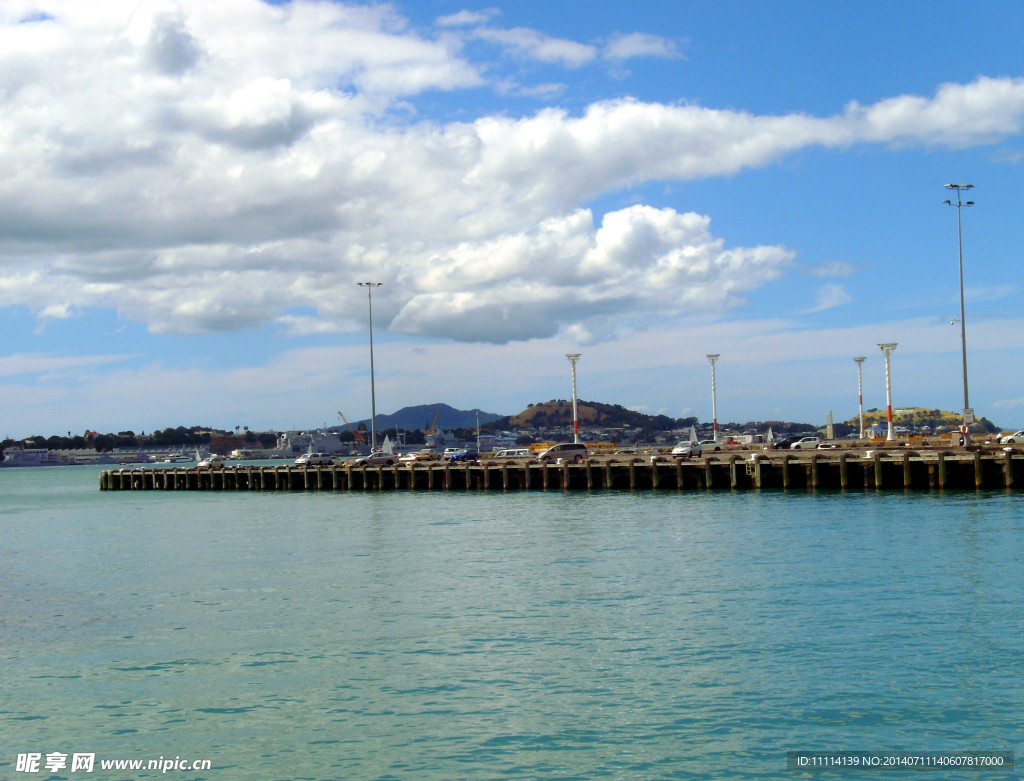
x=881, y=469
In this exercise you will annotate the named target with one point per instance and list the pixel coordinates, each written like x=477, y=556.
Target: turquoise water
x=504, y=636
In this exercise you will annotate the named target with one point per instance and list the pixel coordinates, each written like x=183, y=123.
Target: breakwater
x=880, y=469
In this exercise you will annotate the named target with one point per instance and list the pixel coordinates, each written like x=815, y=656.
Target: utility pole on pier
x=860, y=391
x=714, y=394
x=887, y=348
x=373, y=393
x=573, y=357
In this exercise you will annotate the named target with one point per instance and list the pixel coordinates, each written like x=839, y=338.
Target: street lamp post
x=963, y=323
x=373, y=393
x=714, y=395
x=573, y=357
x=887, y=348
x=860, y=391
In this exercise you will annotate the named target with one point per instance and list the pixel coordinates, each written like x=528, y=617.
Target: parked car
x=513, y=453
x=464, y=457
x=785, y=442
x=314, y=459
x=567, y=451
x=806, y=443
x=710, y=444
x=687, y=450
x=420, y=455
x=376, y=458
x=1015, y=438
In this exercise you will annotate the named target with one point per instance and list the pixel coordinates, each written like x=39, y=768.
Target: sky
x=191, y=192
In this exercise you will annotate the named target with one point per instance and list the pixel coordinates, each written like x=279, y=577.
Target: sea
x=493, y=635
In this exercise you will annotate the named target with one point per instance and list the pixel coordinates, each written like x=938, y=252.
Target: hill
x=421, y=416
x=916, y=417
x=558, y=412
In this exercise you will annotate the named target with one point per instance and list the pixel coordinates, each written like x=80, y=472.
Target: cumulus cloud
x=217, y=166
x=532, y=285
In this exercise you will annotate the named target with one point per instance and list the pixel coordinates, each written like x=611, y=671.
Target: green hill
x=916, y=417
x=558, y=412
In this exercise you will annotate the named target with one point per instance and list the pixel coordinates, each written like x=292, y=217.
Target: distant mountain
x=421, y=417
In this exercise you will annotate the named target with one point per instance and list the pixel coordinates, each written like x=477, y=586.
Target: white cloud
x=627, y=46
x=540, y=47
x=216, y=166
x=829, y=297
x=466, y=18
x=832, y=268
x=26, y=363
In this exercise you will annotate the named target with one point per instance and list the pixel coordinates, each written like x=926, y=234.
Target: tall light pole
x=887, y=348
x=573, y=357
x=714, y=395
x=373, y=393
x=963, y=323
x=860, y=391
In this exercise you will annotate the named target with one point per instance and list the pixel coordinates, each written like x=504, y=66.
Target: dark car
x=465, y=457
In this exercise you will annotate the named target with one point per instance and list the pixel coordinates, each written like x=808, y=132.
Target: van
x=515, y=452
x=566, y=451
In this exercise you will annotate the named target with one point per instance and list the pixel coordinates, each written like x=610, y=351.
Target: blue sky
x=191, y=190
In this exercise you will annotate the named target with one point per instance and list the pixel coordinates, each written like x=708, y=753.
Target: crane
x=357, y=434
x=433, y=423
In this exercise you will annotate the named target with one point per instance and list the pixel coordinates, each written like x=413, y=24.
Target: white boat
x=176, y=458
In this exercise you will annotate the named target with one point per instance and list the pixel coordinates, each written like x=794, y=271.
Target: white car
x=710, y=444
x=420, y=455
x=806, y=443
x=687, y=450
x=1015, y=438
x=314, y=459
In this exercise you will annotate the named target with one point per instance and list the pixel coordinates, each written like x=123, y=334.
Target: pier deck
x=881, y=469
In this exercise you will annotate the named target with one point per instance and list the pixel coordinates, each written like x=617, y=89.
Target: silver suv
x=567, y=451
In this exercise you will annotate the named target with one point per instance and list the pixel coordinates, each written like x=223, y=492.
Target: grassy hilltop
x=916, y=417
